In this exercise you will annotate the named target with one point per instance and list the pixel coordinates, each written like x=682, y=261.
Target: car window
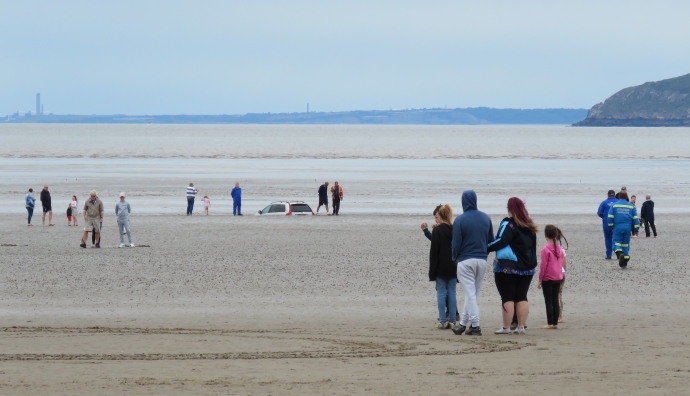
x=266, y=209
x=300, y=208
x=278, y=208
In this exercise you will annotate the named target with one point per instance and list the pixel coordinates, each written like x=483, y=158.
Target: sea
x=391, y=169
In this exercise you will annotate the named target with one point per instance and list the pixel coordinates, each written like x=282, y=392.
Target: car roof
x=287, y=202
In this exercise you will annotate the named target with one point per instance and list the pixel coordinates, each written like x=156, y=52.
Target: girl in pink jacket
x=551, y=273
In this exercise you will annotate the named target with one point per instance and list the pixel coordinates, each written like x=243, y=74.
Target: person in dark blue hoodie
x=472, y=233
x=236, y=195
x=603, y=214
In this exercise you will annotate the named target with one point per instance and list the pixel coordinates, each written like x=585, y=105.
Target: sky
x=236, y=57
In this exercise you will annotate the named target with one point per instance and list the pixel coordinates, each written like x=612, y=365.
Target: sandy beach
x=322, y=305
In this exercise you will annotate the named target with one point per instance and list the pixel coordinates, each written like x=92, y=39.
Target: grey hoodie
x=472, y=231
x=122, y=210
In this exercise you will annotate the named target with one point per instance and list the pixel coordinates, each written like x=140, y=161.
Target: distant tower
x=307, y=107
x=38, y=104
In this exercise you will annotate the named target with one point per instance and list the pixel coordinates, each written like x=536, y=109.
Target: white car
x=297, y=208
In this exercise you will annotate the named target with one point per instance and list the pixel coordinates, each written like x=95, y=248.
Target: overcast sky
x=227, y=57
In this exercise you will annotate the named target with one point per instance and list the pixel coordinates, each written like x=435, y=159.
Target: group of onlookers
x=93, y=215
x=236, y=195
x=458, y=254
x=337, y=195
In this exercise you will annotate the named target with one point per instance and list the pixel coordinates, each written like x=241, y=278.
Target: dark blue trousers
x=236, y=207
x=608, y=240
x=190, y=205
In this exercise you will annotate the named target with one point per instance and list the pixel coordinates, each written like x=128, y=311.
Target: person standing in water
x=622, y=216
x=472, y=233
x=602, y=212
x=442, y=268
x=236, y=194
x=647, y=215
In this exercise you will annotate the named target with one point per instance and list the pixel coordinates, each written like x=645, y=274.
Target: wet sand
x=323, y=305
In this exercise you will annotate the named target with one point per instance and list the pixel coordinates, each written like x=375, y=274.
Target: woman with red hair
x=516, y=260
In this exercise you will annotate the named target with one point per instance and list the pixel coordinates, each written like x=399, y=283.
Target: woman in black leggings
x=516, y=259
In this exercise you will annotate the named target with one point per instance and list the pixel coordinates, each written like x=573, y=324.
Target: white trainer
x=121, y=245
x=131, y=245
x=503, y=330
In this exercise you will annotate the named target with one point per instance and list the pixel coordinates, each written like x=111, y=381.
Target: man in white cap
x=122, y=211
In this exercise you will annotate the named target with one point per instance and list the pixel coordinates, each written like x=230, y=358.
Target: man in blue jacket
x=472, y=233
x=236, y=195
x=603, y=214
x=622, y=216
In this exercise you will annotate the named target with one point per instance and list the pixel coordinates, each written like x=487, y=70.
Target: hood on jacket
x=469, y=200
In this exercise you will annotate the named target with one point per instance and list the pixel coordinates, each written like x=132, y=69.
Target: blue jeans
x=190, y=205
x=608, y=239
x=123, y=225
x=445, y=288
x=237, y=207
x=31, y=213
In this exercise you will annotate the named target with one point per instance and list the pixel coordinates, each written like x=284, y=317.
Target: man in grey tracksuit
x=472, y=233
x=122, y=211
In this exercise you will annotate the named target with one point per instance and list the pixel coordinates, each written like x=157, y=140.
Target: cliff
x=660, y=103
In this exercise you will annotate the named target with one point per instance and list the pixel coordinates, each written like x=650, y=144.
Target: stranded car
x=298, y=208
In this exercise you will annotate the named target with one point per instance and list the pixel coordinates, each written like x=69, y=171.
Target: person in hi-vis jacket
x=622, y=215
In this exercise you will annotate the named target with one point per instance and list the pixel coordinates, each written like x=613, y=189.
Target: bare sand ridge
x=324, y=305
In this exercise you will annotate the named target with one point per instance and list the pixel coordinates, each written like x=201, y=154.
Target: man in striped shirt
x=191, y=192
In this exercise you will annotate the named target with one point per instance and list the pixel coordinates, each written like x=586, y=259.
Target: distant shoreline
x=459, y=116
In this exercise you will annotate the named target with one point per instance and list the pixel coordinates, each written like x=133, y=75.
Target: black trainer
x=98, y=245
x=608, y=257
x=477, y=331
x=622, y=262
x=83, y=245
x=458, y=329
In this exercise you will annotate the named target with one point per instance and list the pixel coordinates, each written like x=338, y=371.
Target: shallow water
x=340, y=141
x=411, y=186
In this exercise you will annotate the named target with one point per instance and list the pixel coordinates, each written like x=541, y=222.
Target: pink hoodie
x=551, y=268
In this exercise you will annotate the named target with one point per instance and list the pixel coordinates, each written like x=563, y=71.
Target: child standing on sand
x=551, y=273
x=69, y=215
x=207, y=203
